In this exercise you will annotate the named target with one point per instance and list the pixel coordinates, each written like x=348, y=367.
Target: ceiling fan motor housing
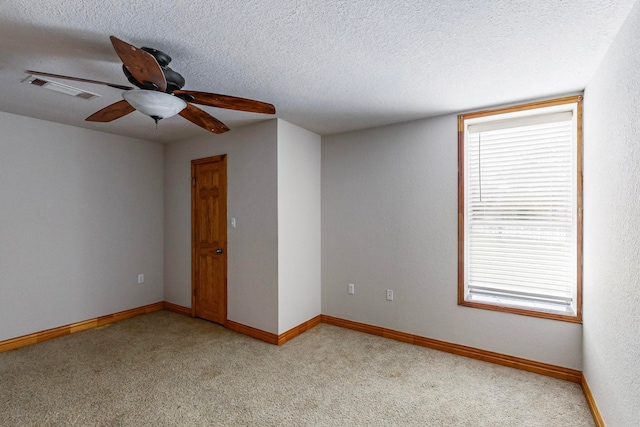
x=174, y=80
x=162, y=58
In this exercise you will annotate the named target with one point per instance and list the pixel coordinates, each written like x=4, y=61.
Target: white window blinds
x=520, y=212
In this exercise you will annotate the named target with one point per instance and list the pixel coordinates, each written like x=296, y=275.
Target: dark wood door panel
x=209, y=246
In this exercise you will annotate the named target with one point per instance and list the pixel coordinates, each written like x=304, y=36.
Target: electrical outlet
x=389, y=295
x=352, y=289
x=140, y=278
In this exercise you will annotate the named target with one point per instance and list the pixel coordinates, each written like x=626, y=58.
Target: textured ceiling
x=327, y=66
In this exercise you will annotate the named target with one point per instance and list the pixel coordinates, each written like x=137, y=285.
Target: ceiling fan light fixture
x=157, y=105
x=160, y=94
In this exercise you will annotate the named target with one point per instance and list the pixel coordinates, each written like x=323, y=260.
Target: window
x=520, y=209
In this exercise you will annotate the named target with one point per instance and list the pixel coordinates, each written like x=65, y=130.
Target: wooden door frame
x=220, y=158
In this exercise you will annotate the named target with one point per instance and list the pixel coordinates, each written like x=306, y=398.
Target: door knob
x=219, y=250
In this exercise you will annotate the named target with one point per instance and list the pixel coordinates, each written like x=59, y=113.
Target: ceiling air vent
x=60, y=88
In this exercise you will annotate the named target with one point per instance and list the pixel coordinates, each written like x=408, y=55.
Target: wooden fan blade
x=142, y=65
x=203, y=119
x=78, y=79
x=111, y=112
x=229, y=102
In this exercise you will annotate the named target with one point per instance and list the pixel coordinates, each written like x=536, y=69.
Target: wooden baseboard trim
x=294, y=332
x=252, y=332
x=169, y=306
x=268, y=336
x=597, y=417
x=61, y=331
x=554, y=371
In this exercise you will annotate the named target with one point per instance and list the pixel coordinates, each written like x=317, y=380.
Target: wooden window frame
x=579, y=206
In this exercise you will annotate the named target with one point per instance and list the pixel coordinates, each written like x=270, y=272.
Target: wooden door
x=209, y=244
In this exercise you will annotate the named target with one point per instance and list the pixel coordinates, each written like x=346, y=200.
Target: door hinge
x=193, y=181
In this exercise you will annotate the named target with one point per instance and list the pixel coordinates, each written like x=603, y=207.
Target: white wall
x=252, y=251
x=81, y=214
x=298, y=225
x=389, y=221
x=612, y=229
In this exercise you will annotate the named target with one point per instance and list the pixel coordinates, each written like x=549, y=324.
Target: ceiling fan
x=160, y=94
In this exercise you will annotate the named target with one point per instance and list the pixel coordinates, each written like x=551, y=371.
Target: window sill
x=523, y=311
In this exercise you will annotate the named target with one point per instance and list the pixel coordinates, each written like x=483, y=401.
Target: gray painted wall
x=612, y=229
x=389, y=221
x=298, y=225
x=252, y=277
x=81, y=214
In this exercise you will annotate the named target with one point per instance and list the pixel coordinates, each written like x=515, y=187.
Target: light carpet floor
x=164, y=369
